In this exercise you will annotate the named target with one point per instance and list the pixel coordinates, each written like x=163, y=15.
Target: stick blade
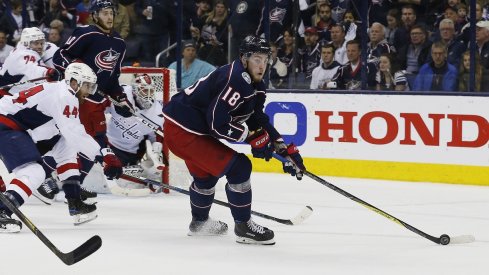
x=462, y=239
x=302, y=216
x=83, y=251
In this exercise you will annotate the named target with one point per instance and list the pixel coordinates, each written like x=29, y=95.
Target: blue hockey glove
x=261, y=147
x=295, y=165
x=124, y=107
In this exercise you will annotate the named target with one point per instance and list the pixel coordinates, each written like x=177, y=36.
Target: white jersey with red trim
x=42, y=108
x=127, y=133
x=21, y=65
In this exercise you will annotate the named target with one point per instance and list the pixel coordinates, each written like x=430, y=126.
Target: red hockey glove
x=295, y=165
x=112, y=165
x=124, y=107
x=53, y=75
x=3, y=188
x=261, y=147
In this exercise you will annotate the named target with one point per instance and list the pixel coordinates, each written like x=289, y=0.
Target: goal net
x=164, y=80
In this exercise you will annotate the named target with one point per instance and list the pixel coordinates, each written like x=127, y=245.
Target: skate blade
x=244, y=240
x=190, y=233
x=84, y=218
x=11, y=228
x=42, y=198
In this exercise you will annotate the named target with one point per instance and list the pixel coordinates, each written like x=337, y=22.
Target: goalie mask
x=143, y=89
x=34, y=39
x=83, y=75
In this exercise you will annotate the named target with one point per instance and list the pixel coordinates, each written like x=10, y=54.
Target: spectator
x=482, y=41
x=309, y=54
x=54, y=37
x=286, y=51
x=279, y=18
x=323, y=73
x=416, y=53
x=323, y=21
x=83, y=12
x=243, y=21
x=5, y=49
x=465, y=32
x=156, y=19
x=377, y=45
x=455, y=47
x=462, y=16
x=13, y=23
x=278, y=70
x=481, y=75
x=214, y=36
x=389, y=77
x=192, y=67
x=65, y=33
x=349, y=76
x=393, y=20
x=408, y=20
x=56, y=11
x=339, y=42
x=437, y=75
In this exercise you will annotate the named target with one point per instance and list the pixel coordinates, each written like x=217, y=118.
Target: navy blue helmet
x=97, y=5
x=254, y=44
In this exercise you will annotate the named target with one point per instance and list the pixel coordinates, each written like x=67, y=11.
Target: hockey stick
x=80, y=253
x=23, y=82
x=304, y=214
x=444, y=239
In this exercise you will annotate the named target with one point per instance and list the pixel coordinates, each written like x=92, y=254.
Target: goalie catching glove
x=261, y=147
x=294, y=164
x=112, y=165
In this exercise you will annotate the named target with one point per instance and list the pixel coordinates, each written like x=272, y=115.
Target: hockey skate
x=208, y=227
x=81, y=212
x=252, y=233
x=88, y=196
x=47, y=191
x=7, y=224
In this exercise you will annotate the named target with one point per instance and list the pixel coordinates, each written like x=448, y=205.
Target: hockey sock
x=85, y=166
x=201, y=197
x=238, y=189
x=49, y=165
x=72, y=188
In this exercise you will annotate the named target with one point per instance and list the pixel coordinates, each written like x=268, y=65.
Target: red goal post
x=164, y=81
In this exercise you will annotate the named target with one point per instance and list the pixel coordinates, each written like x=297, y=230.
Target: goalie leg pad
x=201, y=196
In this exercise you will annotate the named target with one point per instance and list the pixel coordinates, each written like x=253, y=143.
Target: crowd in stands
x=417, y=45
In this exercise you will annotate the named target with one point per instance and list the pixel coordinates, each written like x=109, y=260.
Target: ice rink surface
x=149, y=235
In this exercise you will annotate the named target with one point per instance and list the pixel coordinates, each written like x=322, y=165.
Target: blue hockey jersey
x=102, y=52
x=219, y=103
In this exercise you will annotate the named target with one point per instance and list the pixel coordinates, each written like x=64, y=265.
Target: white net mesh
x=165, y=87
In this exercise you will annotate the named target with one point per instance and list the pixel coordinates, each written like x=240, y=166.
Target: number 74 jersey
x=48, y=110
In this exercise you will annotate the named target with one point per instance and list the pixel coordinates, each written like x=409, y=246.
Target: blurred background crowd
x=410, y=45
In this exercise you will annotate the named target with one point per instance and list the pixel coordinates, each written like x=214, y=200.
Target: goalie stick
x=444, y=239
x=303, y=215
x=80, y=253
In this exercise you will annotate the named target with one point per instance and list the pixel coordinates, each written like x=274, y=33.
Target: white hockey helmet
x=30, y=35
x=83, y=75
x=144, y=91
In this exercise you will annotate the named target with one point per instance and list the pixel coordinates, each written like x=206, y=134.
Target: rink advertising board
x=441, y=138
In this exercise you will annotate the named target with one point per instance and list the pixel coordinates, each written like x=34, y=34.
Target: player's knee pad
x=240, y=170
x=28, y=177
x=204, y=186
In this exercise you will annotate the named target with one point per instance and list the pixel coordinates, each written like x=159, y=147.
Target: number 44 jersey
x=47, y=110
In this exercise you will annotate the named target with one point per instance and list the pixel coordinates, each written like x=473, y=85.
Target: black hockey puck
x=444, y=239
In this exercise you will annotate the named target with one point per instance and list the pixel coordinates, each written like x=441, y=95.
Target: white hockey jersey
x=49, y=109
x=127, y=133
x=47, y=57
x=22, y=64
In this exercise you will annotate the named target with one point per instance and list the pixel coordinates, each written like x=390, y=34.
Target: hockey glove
x=123, y=107
x=295, y=165
x=112, y=165
x=53, y=75
x=261, y=147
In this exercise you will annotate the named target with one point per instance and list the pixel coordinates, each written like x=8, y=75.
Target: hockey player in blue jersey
x=227, y=104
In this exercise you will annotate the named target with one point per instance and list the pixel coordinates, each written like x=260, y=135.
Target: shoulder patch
x=246, y=77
